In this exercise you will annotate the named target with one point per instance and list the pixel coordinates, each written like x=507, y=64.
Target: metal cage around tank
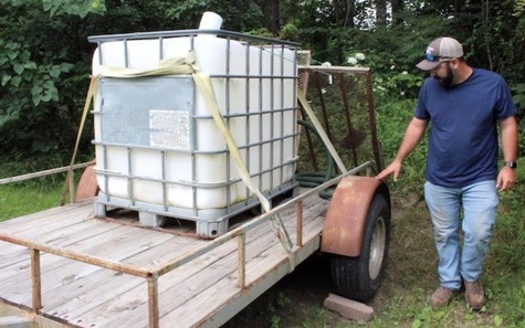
x=158, y=150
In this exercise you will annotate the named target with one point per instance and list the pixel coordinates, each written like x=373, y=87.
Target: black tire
x=359, y=277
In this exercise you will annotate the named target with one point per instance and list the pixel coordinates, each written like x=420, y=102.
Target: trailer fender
x=347, y=212
x=87, y=186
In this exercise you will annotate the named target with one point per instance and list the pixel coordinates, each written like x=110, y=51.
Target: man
x=463, y=106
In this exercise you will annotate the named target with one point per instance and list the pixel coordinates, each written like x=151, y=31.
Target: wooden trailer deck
x=68, y=266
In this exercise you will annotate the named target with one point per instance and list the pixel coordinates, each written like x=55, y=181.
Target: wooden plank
x=175, y=292
x=93, y=297
x=74, y=292
x=204, y=304
x=237, y=302
x=112, y=245
x=103, y=280
x=152, y=256
x=111, y=286
x=46, y=217
x=61, y=237
x=38, y=224
x=129, y=300
x=179, y=290
x=223, y=291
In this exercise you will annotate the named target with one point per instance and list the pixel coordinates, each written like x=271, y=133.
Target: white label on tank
x=169, y=129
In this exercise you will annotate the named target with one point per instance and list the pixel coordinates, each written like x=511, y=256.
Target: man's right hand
x=394, y=167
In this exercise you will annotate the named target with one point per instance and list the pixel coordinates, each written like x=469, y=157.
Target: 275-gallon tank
x=158, y=150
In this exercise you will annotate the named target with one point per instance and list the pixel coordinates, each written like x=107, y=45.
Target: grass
x=22, y=198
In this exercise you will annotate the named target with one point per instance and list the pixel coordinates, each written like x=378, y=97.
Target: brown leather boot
x=474, y=294
x=441, y=297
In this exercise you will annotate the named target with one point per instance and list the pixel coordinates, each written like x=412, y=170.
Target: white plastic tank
x=166, y=152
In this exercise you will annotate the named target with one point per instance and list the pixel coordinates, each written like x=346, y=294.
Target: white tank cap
x=210, y=21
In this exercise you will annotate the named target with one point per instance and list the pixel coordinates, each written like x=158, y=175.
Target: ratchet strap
x=69, y=182
x=324, y=137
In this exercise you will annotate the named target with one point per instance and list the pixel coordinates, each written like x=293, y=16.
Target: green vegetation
x=20, y=199
x=45, y=57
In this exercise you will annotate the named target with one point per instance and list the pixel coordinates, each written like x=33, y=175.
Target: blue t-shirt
x=463, y=142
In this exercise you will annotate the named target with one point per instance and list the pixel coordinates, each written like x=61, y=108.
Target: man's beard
x=446, y=81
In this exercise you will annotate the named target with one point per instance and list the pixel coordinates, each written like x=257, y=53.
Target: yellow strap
x=321, y=132
x=68, y=184
x=169, y=66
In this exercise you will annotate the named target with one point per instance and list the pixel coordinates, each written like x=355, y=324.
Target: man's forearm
x=509, y=138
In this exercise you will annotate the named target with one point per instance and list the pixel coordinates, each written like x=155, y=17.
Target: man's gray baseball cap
x=440, y=50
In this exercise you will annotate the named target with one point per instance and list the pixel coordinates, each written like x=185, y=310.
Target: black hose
x=314, y=179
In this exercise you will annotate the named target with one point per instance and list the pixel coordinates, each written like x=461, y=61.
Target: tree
x=39, y=74
x=381, y=13
x=397, y=8
x=45, y=56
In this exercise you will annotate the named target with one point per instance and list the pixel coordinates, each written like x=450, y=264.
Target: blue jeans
x=479, y=202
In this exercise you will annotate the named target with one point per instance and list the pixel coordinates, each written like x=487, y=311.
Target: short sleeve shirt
x=463, y=143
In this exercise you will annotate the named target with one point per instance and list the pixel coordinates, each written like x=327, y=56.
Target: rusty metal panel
x=346, y=216
x=342, y=99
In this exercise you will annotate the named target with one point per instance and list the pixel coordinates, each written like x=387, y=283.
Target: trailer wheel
x=359, y=277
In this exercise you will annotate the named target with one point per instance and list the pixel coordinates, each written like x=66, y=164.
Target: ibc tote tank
x=158, y=150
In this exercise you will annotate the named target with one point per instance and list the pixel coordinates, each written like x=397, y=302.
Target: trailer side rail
x=152, y=275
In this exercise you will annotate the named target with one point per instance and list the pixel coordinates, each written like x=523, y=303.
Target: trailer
x=117, y=257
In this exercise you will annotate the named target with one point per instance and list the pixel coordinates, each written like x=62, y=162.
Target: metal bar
x=124, y=268
x=105, y=167
x=126, y=58
x=157, y=34
x=164, y=187
x=43, y=173
x=161, y=48
x=337, y=69
x=241, y=265
x=153, y=301
x=227, y=110
x=272, y=114
x=372, y=120
x=311, y=150
x=322, y=104
x=36, y=283
x=260, y=111
x=129, y=180
x=349, y=125
x=281, y=170
x=247, y=109
x=299, y=211
x=100, y=55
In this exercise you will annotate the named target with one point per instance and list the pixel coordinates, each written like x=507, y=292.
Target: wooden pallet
x=203, y=288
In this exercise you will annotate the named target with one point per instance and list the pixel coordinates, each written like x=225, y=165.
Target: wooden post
x=36, y=285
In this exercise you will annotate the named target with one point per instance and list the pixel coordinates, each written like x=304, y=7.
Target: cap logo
x=430, y=56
